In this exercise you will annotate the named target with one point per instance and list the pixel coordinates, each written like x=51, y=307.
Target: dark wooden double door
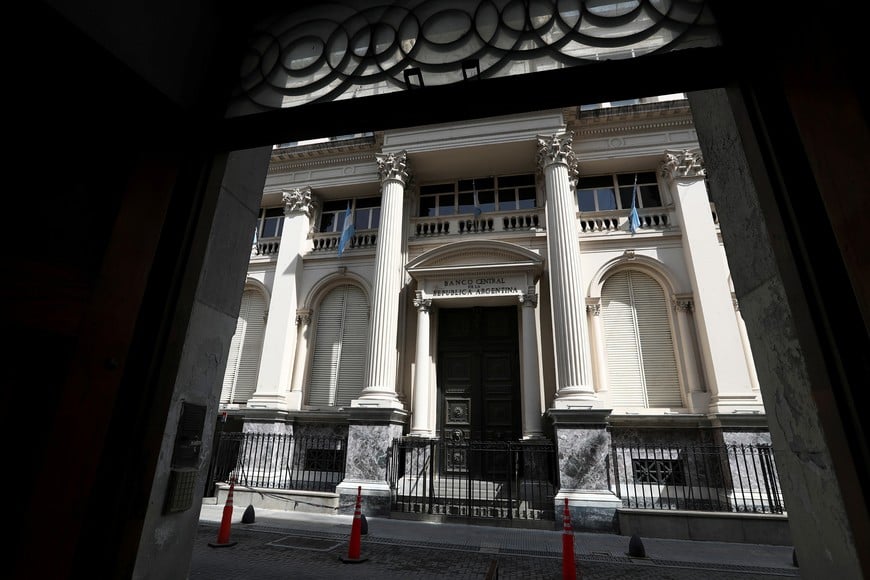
x=478, y=387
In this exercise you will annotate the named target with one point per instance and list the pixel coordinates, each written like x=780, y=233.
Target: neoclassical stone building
x=494, y=288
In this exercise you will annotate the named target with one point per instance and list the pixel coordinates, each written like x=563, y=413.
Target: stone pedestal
x=371, y=432
x=583, y=447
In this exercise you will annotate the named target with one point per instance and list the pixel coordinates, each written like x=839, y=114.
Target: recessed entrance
x=478, y=379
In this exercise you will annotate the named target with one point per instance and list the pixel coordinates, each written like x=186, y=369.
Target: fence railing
x=721, y=478
x=279, y=461
x=508, y=479
x=474, y=479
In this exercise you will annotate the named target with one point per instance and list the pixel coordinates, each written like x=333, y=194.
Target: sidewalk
x=753, y=560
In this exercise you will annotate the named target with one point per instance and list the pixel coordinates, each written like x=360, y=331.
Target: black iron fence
x=474, y=479
x=721, y=478
x=508, y=479
x=278, y=461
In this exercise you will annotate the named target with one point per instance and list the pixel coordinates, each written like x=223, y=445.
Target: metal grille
x=494, y=480
x=279, y=461
x=721, y=478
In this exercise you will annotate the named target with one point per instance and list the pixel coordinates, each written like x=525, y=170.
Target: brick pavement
x=267, y=552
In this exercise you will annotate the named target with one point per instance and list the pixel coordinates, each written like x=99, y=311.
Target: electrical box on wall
x=184, y=466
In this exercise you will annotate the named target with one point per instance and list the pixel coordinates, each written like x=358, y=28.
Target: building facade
x=557, y=276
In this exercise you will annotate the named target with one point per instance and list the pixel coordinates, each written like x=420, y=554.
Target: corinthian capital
x=685, y=163
x=298, y=200
x=394, y=166
x=558, y=149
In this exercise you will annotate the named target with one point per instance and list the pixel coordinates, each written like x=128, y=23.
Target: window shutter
x=656, y=343
x=353, y=347
x=624, y=369
x=233, y=358
x=339, y=348
x=641, y=365
x=243, y=359
x=252, y=348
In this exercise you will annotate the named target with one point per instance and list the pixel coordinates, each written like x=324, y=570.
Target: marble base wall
x=369, y=441
x=583, y=447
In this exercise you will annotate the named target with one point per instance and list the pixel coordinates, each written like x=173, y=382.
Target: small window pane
x=606, y=199
x=427, y=206
x=486, y=199
x=586, y=199
x=516, y=180
x=466, y=203
x=327, y=222
x=650, y=196
x=446, y=204
x=527, y=198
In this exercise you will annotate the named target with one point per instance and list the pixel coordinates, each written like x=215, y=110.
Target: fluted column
x=559, y=166
x=727, y=377
x=273, y=381
x=421, y=425
x=300, y=358
x=380, y=379
x=531, y=387
x=598, y=345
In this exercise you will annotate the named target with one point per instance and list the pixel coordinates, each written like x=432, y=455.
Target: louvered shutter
x=233, y=357
x=624, y=368
x=339, y=348
x=353, y=347
x=656, y=343
x=252, y=347
x=327, y=349
x=243, y=359
x=641, y=365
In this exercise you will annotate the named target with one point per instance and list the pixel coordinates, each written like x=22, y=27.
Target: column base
x=577, y=397
x=376, y=497
x=378, y=398
x=592, y=510
x=727, y=404
x=278, y=402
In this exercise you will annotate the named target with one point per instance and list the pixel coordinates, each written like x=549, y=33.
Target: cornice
x=313, y=161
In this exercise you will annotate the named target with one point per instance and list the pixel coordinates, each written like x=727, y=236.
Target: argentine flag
x=633, y=218
x=347, y=231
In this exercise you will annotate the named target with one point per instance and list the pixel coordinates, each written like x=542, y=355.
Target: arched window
x=339, y=347
x=243, y=364
x=641, y=365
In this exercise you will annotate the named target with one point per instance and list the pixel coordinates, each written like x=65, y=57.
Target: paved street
x=313, y=547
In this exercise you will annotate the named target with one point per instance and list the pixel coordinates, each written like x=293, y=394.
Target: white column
x=300, y=359
x=747, y=350
x=692, y=376
x=383, y=356
x=598, y=341
x=556, y=160
x=273, y=381
x=421, y=422
x=721, y=347
x=531, y=387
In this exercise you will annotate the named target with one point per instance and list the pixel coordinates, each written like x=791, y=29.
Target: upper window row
x=611, y=192
x=478, y=195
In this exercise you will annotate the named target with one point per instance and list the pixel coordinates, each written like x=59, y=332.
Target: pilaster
x=724, y=361
x=273, y=381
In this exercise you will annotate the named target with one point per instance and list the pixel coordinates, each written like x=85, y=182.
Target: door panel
x=478, y=383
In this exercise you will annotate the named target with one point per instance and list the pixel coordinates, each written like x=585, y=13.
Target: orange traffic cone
x=223, y=539
x=355, y=531
x=569, y=568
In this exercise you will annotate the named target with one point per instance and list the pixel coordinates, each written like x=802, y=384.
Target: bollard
x=223, y=539
x=353, y=550
x=635, y=547
x=248, y=517
x=569, y=567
